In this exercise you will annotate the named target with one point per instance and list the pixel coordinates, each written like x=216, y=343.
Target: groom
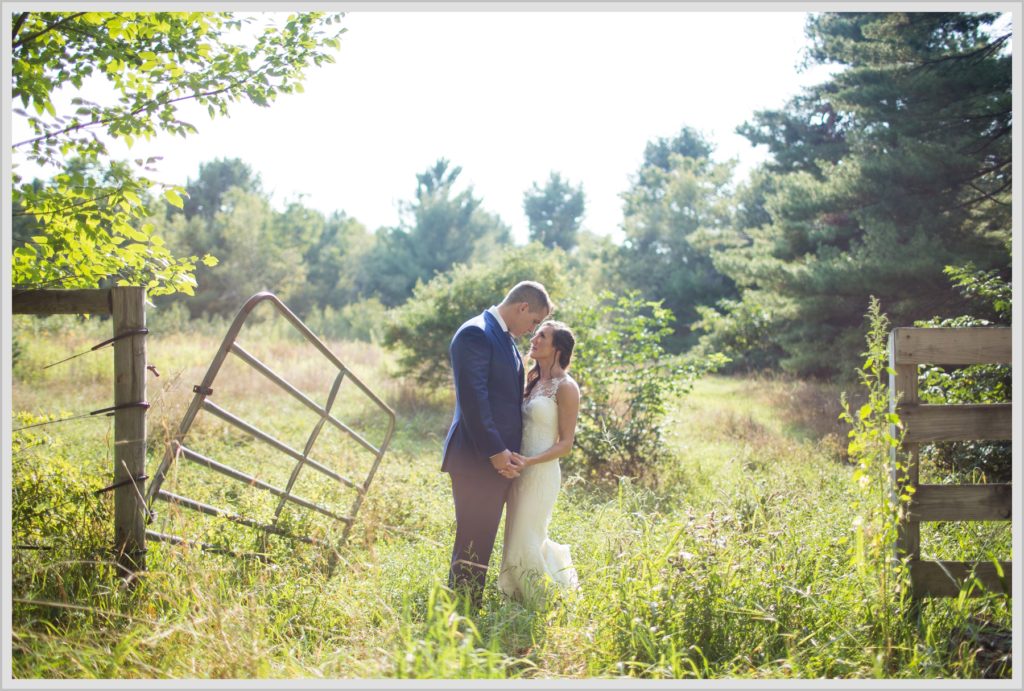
x=487, y=426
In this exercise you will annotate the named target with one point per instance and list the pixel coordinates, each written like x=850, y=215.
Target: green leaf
x=174, y=198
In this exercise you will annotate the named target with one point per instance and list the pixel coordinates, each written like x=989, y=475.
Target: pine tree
x=894, y=168
x=675, y=213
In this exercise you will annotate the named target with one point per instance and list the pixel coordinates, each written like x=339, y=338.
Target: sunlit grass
x=731, y=560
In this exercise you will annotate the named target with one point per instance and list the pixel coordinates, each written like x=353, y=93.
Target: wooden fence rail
x=127, y=307
x=908, y=348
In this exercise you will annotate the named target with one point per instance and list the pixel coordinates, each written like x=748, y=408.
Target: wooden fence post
x=903, y=392
x=129, y=313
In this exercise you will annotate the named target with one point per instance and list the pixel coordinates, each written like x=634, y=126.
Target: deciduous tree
x=142, y=67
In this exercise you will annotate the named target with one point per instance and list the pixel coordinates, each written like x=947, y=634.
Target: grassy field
x=735, y=559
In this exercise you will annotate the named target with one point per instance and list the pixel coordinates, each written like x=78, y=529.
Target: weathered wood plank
x=965, y=422
x=991, y=502
x=129, y=312
x=903, y=388
x=89, y=301
x=953, y=346
x=945, y=578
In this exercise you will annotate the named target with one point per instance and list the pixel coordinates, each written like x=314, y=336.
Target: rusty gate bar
x=233, y=517
x=301, y=397
x=256, y=482
x=309, y=446
x=206, y=547
x=200, y=402
x=276, y=443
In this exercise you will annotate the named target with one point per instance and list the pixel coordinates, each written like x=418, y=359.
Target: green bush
x=743, y=330
x=626, y=379
x=53, y=500
x=421, y=329
x=357, y=321
x=170, y=316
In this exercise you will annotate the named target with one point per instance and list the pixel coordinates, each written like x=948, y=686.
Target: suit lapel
x=508, y=345
x=518, y=364
x=521, y=373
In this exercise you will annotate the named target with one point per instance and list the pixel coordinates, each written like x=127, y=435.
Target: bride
x=531, y=562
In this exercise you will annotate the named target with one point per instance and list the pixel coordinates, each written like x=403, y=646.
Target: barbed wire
x=109, y=341
x=107, y=411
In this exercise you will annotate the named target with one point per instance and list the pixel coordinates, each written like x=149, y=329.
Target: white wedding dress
x=530, y=562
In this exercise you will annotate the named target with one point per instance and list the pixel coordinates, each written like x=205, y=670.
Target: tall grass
x=732, y=559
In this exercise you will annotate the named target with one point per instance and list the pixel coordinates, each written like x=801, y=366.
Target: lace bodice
x=540, y=417
x=546, y=388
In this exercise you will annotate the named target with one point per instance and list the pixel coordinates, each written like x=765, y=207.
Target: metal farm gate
x=302, y=458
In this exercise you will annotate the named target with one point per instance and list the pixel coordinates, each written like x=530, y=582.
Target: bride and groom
x=509, y=429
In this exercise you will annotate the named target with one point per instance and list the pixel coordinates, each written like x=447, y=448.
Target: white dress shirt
x=493, y=309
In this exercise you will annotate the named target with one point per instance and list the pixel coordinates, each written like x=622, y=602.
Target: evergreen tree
x=675, y=214
x=894, y=168
x=554, y=212
x=446, y=228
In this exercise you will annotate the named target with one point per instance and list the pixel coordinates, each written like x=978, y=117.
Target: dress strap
x=550, y=387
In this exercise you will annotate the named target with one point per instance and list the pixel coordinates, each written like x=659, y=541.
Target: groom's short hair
x=533, y=294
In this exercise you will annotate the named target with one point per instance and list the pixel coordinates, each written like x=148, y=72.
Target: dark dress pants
x=479, y=501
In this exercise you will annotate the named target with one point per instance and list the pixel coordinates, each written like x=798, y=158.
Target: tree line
x=878, y=180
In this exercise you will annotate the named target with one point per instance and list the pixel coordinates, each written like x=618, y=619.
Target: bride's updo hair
x=563, y=341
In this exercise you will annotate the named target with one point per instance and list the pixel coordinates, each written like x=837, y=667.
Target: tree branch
x=50, y=212
x=46, y=29
x=985, y=171
x=80, y=126
x=979, y=53
x=19, y=21
x=986, y=195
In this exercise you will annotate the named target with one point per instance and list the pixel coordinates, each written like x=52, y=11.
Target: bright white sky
x=510, y=97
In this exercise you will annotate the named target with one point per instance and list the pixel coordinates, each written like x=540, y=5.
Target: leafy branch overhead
x=145, y=66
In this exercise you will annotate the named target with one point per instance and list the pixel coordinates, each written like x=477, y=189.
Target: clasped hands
x=508, y=463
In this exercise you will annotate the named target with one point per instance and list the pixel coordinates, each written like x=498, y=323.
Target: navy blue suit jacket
x=489, y=378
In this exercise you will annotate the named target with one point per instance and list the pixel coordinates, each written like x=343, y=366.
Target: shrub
x=422, y=328
x=743, y=330
x=15, y=350
x=626, y=379
x=53, y=500
x=167, y=317
x=357, y=321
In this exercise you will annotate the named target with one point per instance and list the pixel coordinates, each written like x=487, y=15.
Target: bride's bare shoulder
x=568, y=387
